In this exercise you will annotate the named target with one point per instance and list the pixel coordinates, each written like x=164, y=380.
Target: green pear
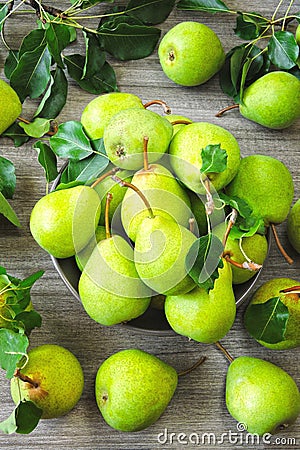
x=175, y=117
x=133, y=388
x=160, y=249
x=10, y=106
x=261, y=396
x=273, y=100
x=293, y=226
x=115, y=293
x=185, y=150
x=64, y=221
x=100, y=110
x=82, y=257
x=166, y=197
x=254, y=247
x=297, y=35
x=271, y=289
x=190, y=53
x=124, y=137
x=117, y=191
x=57, y=380
x=266, y=184
x=204, y=316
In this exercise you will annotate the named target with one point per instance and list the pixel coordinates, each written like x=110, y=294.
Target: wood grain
x=198, y=405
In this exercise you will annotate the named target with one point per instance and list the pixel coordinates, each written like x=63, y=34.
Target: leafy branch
x=270, y=44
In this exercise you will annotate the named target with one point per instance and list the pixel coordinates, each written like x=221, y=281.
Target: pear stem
x=106, y=175
x=250, y=265
x=228, y=108
x=291, y=290
x=224, y=351
x=25, y=378
x=192, y=224
x=109, y=197
x=166, y=108
x=231, y=222
x=136, y=189
x=193, y=367
x=279, y=245
x=181, y=122
x=209, y=205
x=145, y=153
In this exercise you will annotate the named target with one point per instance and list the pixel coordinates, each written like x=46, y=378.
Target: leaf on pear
x=13, y=346
x=69, y=185
x=214, y=159
x=23, y=420
x=150, y=12
x=104, y=80
x=267, y=321
x=37, y=128
x=17, y=134
x=203, y=260
x=211, y=6
x=55, y=96
x=237, y=203
x=249, y=25
x=47, y=159
x=125, y=40
x=7, y=177
x=283, y=50
x=70, y=141
x=7, y=211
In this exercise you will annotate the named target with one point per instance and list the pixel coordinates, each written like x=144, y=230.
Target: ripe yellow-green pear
x=57, y=379
x=133, y=388
x=82, y=257
x=165, y=195
x=293, y=226
x=266, y=184
x=100, y=110
x=185, y=150
x=10, y=106
x=261, y=396
x=109, y=287
x=160, y=250
x=273, y=100
x=124, y=137
x=271, y=289
x=204, y=316
x=255, y=248
x=190, y=53
x=64, y=221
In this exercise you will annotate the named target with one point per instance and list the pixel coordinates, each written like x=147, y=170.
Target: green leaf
x=7, y=177
x=32, y=73
x=87, y=169
x=203, y=260
x=237, y=203
x=249, y=25
x=150, y=12
x=267, y=321
x=11, y=62
x=13, y=346
x=55, y=97
x=57, y=37
x=3, y=13
x=47, y=159
x=247, y=226
x=8, y=212
x=125, y=41
x=95, y=56
x=214, y=159
x=28, y=282
x=212, y=6
x=70, y=141
x=38, y=128
x=17, y=134
x=283, y=50
x=62, y=186
x=28, y=321
x=102, y=81
x=23, y=419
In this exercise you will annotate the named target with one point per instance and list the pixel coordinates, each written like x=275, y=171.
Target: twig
x=279, y=245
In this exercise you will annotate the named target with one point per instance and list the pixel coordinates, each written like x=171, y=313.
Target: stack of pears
x=164, y=202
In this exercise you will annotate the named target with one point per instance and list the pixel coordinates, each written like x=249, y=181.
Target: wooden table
x=198, y=406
